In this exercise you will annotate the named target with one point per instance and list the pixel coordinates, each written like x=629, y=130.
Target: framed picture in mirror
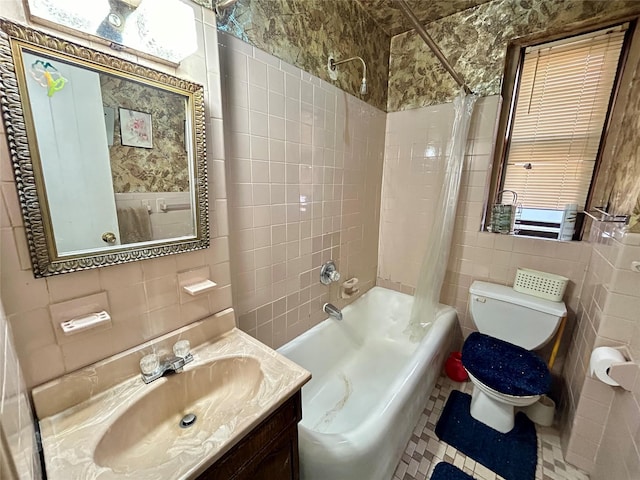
x=136, y=128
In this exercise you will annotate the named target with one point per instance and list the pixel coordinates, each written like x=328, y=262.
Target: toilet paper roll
x=601, y=359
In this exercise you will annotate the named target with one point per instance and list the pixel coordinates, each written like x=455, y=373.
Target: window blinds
x=561, y=108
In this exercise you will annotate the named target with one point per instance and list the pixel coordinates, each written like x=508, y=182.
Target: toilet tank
x=518, y=318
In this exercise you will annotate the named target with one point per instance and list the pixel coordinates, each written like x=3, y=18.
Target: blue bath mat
x=512, y=455
x=446, y=471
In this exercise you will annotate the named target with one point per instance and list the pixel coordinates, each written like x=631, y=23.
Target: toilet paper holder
x=624, y=373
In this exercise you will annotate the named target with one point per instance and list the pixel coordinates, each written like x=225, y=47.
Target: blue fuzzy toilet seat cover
x=505, y=367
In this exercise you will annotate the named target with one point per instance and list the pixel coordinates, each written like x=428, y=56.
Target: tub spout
x=332, y=311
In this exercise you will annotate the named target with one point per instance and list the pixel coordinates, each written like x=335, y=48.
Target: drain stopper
x=188, y=420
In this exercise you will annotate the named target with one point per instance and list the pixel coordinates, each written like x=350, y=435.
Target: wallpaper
x=475, y=43
x=619, y=179
x=161, y=168
x=392, y=20
x=305, y=32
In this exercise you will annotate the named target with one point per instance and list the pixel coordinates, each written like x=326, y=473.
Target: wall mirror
x=109, y=156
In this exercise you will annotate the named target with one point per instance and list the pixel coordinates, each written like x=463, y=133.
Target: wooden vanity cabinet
x=268, y=452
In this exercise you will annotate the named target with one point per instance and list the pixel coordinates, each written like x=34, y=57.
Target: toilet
x=504, y=372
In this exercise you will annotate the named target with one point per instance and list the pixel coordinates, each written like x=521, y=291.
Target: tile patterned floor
x=424, y=451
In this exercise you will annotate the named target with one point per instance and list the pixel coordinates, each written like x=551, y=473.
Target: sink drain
x=188, y=420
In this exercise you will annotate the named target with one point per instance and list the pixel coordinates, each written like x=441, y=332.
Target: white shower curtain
x=434, y=263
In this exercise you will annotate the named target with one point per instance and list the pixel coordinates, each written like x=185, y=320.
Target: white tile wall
x=415, y=154
x=304, y=172
x=16, y=419
x=602, y=423
x=164, y=224
x=143, y=296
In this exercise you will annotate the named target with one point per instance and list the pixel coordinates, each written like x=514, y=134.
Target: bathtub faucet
x=332, y=311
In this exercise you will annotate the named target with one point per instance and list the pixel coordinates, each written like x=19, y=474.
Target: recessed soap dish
x=199, y=287
x=79, y=324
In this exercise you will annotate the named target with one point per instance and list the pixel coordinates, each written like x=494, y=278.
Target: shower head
x=363, y=85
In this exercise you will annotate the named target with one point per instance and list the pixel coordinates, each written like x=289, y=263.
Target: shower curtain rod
x=431, y=44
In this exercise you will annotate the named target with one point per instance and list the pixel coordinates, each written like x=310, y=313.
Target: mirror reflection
x=113, y=156
x=108, y=155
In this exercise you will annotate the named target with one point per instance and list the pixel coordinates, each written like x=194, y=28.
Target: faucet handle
x=329, y=273
x=181, y=348
x=149, y=364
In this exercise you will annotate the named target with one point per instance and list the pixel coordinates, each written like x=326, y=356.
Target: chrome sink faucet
x=332, y=311
x=152, y=368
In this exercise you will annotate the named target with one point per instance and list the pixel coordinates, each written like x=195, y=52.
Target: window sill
x=534, y=237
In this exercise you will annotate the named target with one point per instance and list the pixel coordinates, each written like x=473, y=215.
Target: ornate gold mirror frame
x=23, y=150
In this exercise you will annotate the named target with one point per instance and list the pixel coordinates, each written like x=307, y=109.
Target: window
x=557, y=119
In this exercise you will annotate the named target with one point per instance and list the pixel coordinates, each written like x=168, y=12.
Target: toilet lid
x=505, y=367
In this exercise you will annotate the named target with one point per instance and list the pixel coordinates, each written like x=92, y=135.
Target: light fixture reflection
x=83, y=16
x=160, y=28
x=165, y=26
x=430, y=151
x=303, y=203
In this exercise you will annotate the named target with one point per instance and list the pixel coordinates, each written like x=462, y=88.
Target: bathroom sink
x=103, y=421
x=147, y=433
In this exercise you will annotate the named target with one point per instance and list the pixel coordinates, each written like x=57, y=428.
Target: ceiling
x=391, y=19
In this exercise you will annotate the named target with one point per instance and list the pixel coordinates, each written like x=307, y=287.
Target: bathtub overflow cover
x=188, y=420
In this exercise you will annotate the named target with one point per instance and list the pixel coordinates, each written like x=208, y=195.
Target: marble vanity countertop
x=74, y=439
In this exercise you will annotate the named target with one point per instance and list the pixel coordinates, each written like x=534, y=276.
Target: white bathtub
x=370, y=384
